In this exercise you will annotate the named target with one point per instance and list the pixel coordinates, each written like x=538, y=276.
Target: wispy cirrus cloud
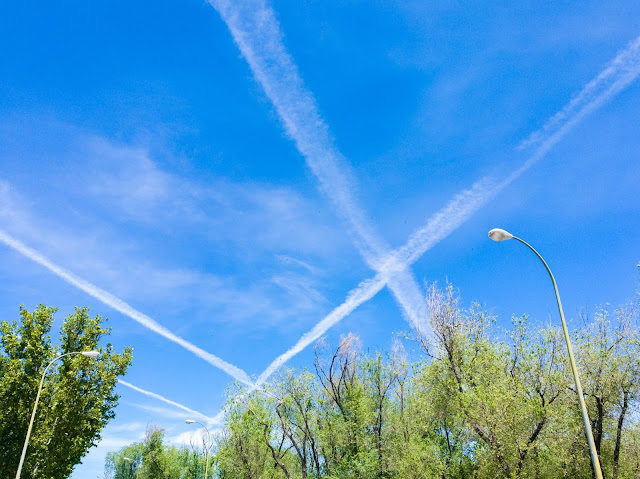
x=161, y=414
x=132, y=186
x=241, y=222
x=197, y=437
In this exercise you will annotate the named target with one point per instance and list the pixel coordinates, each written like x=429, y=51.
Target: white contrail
x=466, y=203
x=621, y=72
x=439, y=226
x=364, y=292
x=625, y=61
x=119, y=305
x=210, y=420
x=257, y=34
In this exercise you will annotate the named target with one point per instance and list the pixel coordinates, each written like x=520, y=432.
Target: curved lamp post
x=206, y=455
x=89, y=354
x=498, y=234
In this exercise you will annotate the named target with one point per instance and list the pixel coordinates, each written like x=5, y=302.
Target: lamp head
x=189, y=421
x=90, y=354
x=497, y=234
x=127, y=459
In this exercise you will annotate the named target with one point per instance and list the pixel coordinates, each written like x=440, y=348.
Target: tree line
x=153, y=458
x=477, y=402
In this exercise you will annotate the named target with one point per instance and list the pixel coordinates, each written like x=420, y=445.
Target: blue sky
x=228, y=181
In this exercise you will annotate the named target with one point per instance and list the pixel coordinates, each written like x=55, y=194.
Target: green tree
x=77, y=399
x=248, y=446
x=507, y=394
x=608, y=350
x=153, y=459
x=117, y=467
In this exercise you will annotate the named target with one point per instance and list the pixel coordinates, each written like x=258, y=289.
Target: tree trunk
x=616, y=451
x=599, y=421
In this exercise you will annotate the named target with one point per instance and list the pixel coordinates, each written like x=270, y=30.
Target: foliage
x=476, y=406
x=77, y=399
x=479, y=403
x=153, y=459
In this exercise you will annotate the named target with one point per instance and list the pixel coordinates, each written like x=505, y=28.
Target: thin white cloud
x=256, y=31
x=300, y=287
x=135, y=426
x=167, y=415
x=165, y=400
x=95, y=244
x=286, y=259
x=196, y=437
x=128, y=178
x=128, y=181
x=119, y=305
x=111, y=443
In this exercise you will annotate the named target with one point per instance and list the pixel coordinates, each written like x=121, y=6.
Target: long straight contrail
x=621, y=73
x=209, y=420
x=119, y=305
x=257, y=34
x=364, y=292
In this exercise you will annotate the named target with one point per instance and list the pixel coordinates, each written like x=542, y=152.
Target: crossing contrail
x=626, y=68
x=209, y=420
x=124, y=308
x=440, y=225
x=257, y=34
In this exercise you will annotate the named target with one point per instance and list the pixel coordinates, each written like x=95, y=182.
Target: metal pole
x=206, y=452
x=583, y=407
x=33, y=414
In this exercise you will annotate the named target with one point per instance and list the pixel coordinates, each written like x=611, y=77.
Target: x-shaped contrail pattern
x=255, y=30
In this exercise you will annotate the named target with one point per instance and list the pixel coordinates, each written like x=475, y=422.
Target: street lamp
x=89, y=354
x=498, y=234
x=206, y=454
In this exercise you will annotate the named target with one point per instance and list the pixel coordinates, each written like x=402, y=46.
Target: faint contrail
x=625, y=61
x=119, y=305
x=209, y=420
x=257, y=34
x=467, y=202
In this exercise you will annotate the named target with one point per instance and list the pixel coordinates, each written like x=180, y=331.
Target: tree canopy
x=471, y=400
x=479, y=402
x=77, y=399
x=153, y=459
